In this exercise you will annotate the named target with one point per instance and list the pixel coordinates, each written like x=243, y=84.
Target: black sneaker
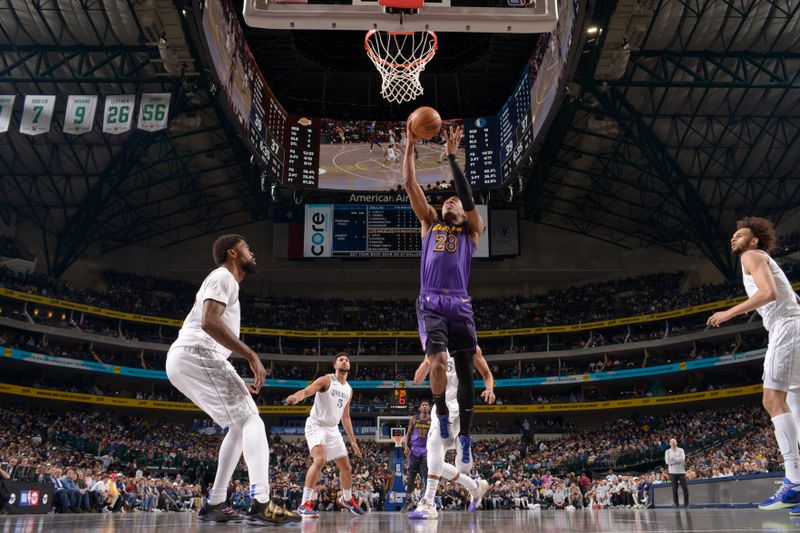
x=270, y=514
x=219, y=513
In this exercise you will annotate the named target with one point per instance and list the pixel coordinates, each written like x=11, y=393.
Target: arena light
x=591, y=30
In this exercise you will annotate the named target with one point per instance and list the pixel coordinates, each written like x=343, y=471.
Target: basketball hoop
x=398, y=440
x=400, y=57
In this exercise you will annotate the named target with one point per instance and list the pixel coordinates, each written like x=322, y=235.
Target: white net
x=400, y=57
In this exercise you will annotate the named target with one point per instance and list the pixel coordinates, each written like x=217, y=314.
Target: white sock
x=430, y=490
x=793, y=400
x=786, y=435
x=347, y=494
x=256, y=455
x=451, y=472
x=467, y=482
x=307, y=494
x=229, y=454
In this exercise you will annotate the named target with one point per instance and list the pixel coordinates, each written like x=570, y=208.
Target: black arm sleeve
x=463, y=189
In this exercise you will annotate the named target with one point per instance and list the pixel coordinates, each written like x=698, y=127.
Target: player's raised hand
x=294, y=399
x=488, y=396
x=453, y=136
x=259, y=373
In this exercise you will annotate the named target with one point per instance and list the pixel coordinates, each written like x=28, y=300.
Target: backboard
x=478, y=16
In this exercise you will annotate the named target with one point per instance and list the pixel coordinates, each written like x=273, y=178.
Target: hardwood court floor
x=665, y=520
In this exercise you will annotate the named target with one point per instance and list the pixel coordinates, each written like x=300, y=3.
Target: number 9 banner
x=153, y=111
x=79, y=117
x=118, y=114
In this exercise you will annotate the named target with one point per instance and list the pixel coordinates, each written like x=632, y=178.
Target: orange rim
x=424, y=59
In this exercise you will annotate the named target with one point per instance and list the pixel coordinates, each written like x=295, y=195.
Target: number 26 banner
x=79, y=117
x=118, y=114
x=37, y=114
x=153, y=111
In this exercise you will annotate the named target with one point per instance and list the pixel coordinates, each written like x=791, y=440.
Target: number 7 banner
x=153, y=111
x=37, y=114
x=79, y=117
x=118, y=115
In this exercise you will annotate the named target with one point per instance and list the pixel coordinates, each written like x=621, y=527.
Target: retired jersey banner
x=79, y=117
x=153, y=111
x=37, y=114
x=118, y=114
x=6, y=107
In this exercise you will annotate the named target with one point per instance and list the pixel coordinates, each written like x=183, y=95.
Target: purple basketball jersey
x=419, y=437
x=446, y=258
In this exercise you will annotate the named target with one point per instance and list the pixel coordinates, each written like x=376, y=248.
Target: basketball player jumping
x=197, y=365
x=770, y=293
x=444, y=308
x=415, y=446
x=437, y=446
x=332, y=395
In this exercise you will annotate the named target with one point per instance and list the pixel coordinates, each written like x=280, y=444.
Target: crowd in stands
x=594, y=301
x=116, y=462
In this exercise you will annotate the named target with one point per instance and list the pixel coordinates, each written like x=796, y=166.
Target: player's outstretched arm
x=348, y=428
x=422, y=371
x=757, y=264
x=424, y=211
x=486, y=373
x=212, y=323
x=453, y=136
x=320, y=384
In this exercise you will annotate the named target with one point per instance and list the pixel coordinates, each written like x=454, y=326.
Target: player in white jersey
x=437, y=447
x=197, y=365
x=332, y=396
x=770, y=293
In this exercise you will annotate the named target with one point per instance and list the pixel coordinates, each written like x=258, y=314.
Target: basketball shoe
x=786, y=496
x=424, y=511
x=307, y=510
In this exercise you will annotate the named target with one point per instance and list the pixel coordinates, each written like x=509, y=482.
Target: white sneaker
x=476, y=496
x=424, y=511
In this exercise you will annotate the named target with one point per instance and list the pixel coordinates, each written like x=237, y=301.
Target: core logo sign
x=318, y=231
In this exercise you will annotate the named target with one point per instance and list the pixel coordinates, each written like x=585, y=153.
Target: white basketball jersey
x=785, y=303
x=329, y=405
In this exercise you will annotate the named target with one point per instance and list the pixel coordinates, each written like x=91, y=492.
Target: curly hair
x=763, y=230
x=222, y=245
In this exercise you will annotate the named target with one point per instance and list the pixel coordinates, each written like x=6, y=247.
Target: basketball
x=425, y=122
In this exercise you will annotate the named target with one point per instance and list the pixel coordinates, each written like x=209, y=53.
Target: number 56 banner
x=153, y=111
x=118, y=114
x=79, y=117
x=37, y=114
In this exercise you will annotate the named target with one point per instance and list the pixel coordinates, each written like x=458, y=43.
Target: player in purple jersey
x=444, y=308
x=415, y=447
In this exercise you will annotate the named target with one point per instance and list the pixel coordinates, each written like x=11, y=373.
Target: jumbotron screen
x=320, y=153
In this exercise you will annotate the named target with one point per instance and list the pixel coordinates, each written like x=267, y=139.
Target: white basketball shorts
x=782, y=361
x=327, y=436
x=212, y=384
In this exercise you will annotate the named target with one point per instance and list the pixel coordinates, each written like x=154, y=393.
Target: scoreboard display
x=515, y=123
x=380, y=230
x=495, y=144
x=301, y=139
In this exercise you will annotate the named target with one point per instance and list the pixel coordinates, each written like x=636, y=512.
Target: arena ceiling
x=680, y=117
